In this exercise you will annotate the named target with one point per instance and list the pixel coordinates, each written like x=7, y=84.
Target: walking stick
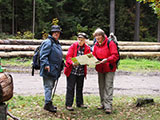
x=57, y=80
x=54, y=88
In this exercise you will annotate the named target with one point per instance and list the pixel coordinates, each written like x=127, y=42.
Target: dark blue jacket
x=51, y=55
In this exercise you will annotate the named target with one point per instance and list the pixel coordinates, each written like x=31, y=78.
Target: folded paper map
x=87, y=59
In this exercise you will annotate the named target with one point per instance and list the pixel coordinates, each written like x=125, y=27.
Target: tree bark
x=158, y=30
x=33, y=28
x=3, y=111
x=0, y=22
x=137, y=20
x=12, y=17
x=112, y=16
x=6, y=86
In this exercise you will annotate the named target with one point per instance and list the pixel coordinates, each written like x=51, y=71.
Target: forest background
x=16, y=18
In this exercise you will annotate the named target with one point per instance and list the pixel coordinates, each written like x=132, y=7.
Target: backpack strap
x=109, y=40
x=51, y=42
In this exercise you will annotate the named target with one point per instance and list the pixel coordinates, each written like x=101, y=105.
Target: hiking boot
x=69, y=108
x=100, y=107
x=49, y=107
x=82, y=106
x=108, y=111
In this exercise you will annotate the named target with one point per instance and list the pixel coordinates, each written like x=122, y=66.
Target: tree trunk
x=12, y=17
x=0, y=21
x=158, y=30
x=3, y=111
x=112, y=16
x=16, y=26
x=33, y=28
x=137, y=20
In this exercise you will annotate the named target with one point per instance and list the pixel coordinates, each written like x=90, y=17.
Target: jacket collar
x=103, y=43
x=53, y=40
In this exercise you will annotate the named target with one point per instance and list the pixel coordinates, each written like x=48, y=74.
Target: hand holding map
x=87, y=59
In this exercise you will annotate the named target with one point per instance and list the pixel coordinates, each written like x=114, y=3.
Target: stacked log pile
x=25, y=48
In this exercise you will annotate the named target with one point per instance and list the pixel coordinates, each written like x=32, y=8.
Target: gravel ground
x=125, y=83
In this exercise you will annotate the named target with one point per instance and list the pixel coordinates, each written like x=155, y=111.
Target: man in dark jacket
x=50, y=65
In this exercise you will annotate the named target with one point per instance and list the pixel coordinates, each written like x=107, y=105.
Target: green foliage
x=82, y=15
x=5, y=36
x=82, y=29
x=25, y=35
x=124, y=26
x=155, y=4
x=28, y=35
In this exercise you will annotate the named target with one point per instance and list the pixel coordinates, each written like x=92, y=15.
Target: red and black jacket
x=102, y=51
x=72, y=52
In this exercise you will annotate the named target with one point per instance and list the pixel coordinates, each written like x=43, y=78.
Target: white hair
x=98, y=31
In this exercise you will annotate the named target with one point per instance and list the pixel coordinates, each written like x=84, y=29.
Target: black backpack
x=36, y=58
x=113, y=38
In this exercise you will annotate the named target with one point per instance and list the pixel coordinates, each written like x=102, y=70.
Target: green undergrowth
x=124, y=108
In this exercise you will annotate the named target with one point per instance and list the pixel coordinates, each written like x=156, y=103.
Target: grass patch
x=31, y=108
x=139, y=65
x=25, y=62
x=125, y=64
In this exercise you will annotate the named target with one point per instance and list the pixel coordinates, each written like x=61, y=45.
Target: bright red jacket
x=102, y=51
x=72, y=52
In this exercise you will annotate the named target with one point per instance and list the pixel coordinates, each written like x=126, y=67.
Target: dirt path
x=125, y=84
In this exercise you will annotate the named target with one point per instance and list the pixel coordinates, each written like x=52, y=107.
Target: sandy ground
x=125, y=83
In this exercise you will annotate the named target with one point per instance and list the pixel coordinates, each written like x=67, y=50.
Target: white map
x=87, y=59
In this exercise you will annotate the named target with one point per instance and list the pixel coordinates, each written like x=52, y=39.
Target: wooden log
x=16, y=54
x=21, y=54
x=6, y=87
x=65, y=48
x=140, y=48
x=69, y=42
x=9, y=48
x=142, y=101
x=21, y=42
x=32, y=42
x=122, y=54
x=140, y=54
x=3, y=111
x=124, y=43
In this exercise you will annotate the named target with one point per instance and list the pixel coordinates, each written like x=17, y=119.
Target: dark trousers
x=72, y=82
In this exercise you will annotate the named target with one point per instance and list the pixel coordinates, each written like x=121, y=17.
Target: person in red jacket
x=106, y=69
x=75, y=73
